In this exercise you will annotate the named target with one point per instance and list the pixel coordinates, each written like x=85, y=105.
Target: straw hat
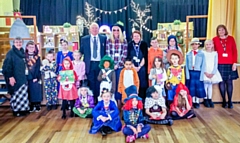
x=195, y=40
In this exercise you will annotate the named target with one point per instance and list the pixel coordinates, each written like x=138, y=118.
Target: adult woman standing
x=226, y=48
x=138, y=52
x=116, y=48
x=15, y=71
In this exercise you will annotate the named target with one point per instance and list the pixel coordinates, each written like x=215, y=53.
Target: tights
x=226, y=85
x=64, y=105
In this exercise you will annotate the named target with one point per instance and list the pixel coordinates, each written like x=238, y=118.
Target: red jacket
x=231, y=50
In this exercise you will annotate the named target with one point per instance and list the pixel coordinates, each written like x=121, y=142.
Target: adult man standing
x=93, y=49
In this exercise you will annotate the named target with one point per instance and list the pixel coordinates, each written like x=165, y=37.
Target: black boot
x=102, y=131
x=210, y=103
x=206, y=103
x=230, y=104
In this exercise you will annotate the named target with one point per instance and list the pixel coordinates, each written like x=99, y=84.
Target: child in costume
x=153, y=51
x=155, y=107
x=195, y=69
x=128, y=77
x=158, y=74
x=34, y=76
x=50, y=80
x=79, y=67
x=175, y=73
x=105, y=115
x=67, y=91
x=212, y=75
x=85, y=102
x=133, y=117
x=107, y=76
x=181, y=108
x=172, y=45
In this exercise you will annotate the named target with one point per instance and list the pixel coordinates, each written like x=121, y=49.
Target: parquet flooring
x=216, y=125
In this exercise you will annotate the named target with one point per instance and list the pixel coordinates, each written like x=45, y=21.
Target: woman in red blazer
x=226, y=48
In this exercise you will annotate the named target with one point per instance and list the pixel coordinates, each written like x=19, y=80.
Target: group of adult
x=94, y=46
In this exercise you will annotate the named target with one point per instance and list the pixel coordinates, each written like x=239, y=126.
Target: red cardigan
x=231, y=50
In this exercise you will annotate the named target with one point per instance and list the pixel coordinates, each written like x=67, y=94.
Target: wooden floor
x=210, y=126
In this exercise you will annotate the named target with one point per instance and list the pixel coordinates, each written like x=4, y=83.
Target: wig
x=128, y=105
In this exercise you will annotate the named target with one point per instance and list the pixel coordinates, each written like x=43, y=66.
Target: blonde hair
x=121, y=36
x=209, y=41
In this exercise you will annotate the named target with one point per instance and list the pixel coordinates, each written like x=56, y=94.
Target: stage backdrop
x=56, y=12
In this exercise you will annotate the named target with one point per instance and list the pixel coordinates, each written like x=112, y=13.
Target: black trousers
x=94, y=84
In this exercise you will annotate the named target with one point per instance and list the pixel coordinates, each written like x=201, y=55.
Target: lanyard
x=224, y=45
x=137, y=47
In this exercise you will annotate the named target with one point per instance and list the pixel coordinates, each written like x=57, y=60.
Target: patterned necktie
x=95, y=48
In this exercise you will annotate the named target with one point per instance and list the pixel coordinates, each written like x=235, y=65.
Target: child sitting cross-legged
x=155, y=106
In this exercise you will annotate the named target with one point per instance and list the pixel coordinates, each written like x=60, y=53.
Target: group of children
x=168, y=89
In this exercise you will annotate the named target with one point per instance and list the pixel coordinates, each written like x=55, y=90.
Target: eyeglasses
x=115, y=30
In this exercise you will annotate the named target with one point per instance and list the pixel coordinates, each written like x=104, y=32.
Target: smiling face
x=136, y=37
x=221, y=31
x=18, y=44
x=31, y=48
x=157, y=63
x=116, y=31
x=94, y=29
x=183, y=92
x=209, y=46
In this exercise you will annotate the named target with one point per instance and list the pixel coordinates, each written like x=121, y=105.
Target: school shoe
x=109, y=130
x=146, y=136
x=38, y=108
x=196, y=105
x=206, y=103
x=64, y=116
x=130, y=139
x=32, y=109
x=230, y=105
x=210, y=103
x=49, y=107
x=54, y=107
x=224, y=105
x=103, y=132
x=170, y=122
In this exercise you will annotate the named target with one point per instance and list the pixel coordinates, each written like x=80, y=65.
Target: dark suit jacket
x=85, y=49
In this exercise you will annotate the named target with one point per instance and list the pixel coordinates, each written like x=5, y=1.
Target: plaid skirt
x=19, y=100
x=226, y=72
x=195, y=86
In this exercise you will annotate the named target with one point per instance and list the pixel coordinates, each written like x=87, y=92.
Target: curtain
x=221, y=12
x=57, y=12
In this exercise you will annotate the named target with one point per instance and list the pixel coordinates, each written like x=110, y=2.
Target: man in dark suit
x=93, y=47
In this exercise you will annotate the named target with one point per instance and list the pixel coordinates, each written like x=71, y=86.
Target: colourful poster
x=67, y=76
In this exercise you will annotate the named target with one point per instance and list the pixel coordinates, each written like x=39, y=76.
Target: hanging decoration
x=83, y=22
x=141, y=17
x=109, y=12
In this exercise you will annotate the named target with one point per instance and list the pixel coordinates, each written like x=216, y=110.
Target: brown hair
x=160, y=60
x=137, y=32
x=222, y=26
x=181, y=102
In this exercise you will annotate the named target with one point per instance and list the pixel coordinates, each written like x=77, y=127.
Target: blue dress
x=60, y=58
x=112, y=111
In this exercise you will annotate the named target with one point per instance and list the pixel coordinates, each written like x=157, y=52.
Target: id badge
x=26, y=71
x=134, y=58
x=225, y=55
x=117, y=54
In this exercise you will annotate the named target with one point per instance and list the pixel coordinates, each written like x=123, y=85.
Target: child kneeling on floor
x=133, y=117
x=105, y=115
x=155, y=107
